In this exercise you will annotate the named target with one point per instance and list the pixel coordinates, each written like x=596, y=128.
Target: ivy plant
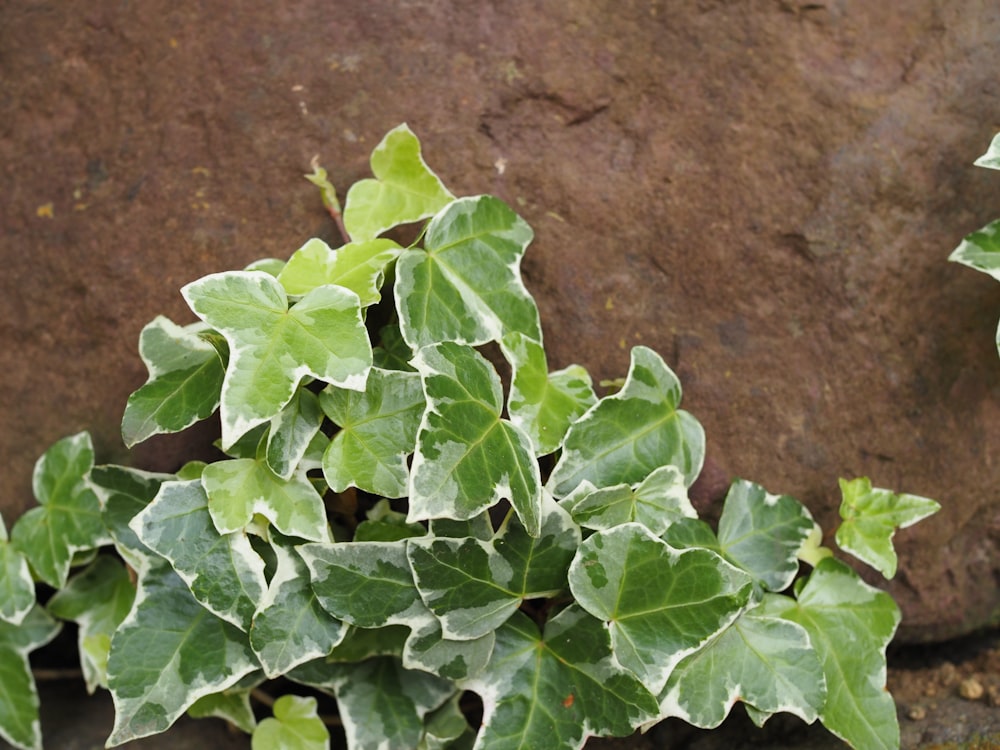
x=395, y=524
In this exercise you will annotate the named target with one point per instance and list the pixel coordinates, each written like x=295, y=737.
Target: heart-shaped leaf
x=358, y=266
x=19, y=723
x=294, y=726
x=17, y=589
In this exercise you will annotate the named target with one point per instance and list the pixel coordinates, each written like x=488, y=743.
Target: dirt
x=764, y=191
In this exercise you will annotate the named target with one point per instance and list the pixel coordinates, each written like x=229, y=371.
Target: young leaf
x=870, y=519
x=378, y=431
x=184, y=383
x=661, y=604
x=241, y=487
x=465, y=285
x=19, y=723
x=68, y=520
x=626, y=436
x=97, y=600
x=294, y=726
x=557, y=689
x=991, y=159
x=849, y=625
x=656, y=502
x=404, y=189
x=17, y=589
x=764, y=662
x=474, y=586
x=467, y=457
x=273, y=347
x=291, y=433
x=541, y=403
x=223, y=571
x=358, y=266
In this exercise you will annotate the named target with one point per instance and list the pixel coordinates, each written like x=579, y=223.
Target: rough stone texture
x=764, y=191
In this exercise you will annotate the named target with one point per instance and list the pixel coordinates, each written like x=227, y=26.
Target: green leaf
x=241, y=487
x=68, y=520
x=169, y=652
x=97, y=600
x=554, y=691
x=232, y=705
x=660, y=603
x=764, y=662
x=124, y=492
x=294, y=726
x=428, y=650
x=19, y=723
x=404, y=189
x=184, y=383
x=541, y=403
x=223, y=571
x=446, y=728
x=656, y=502
x=849, y=624
x=991, y=159
x=763, y=533
x=17, y=588
x=474, y=586
x=358, y=266
x=386, y=525
x=378, y=432
x=292, y=431
x=273, y=347
x=392, y=353
x=624, y=437
x=467, y=456
x=290, y=627
x=981, y=250
x=870, y=519
x=465, y=285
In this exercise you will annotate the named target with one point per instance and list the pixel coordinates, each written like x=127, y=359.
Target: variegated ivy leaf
x=270, y=266
x=292, y=432
x=169, y=652
x=294, y=726
x=241, y=487
x=232, y=705
x=97, y=600
x=404, y=189
x=184, y=383
x=656, y=502
x=474, y=586
x=392, y=353
x=358, y=266
x=124, y=492
x=991, y=159
x=541, y=403
x=446, y=728
x=68, y=520
x=17, y=589
x=981, y=250
x=290, y=627
x=272, y=346
x=660, y=603
x=467, y=456
x=368, y=584
x=764, y=662
x=19, y=723
x=556, y=690
x=386, y=525
x=223, y=571
x=626, y=436
x=378, y=430
x=465, y=285
x=871, y=517
x=428, y=650
x=849, y=624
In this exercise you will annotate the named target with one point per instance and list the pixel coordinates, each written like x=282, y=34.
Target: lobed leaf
x=123, y=492
x=17, y=588
x=426, y=649
x=358, y=266
x=19, y=723
x=294, y=726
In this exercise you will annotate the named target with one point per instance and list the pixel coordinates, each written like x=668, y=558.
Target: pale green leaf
x=270, y=266
x=557, y=689
x=991, y=159
x=19, y=723
x=404, y=189
x=764, y=662
x=378, y=430
x=624, y=437
x=232, y=705
x=184, y=383
x=17, y=588
x=358, y=266
x=981, y=250
x=465, y=285
x=474, y=586
x=292, y=432
x=871, y=517
x=468, y=457
x=223, y=571
x=541, y=403
x=68, y=520
x=241, y=487
x=428, y=650
x=294, y=726
x=97, y=600
x=660, y=603
x=849, y=625
x=327, y=192
x=272, y=346
x=656, y=502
